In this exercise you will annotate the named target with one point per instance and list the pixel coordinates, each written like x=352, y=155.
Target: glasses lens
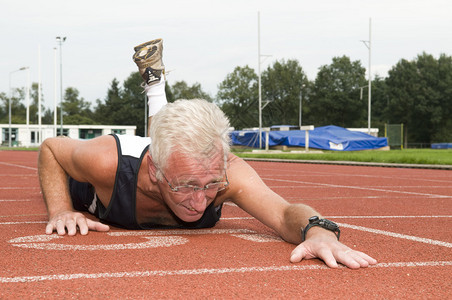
x=186, y=189
x=210, y=188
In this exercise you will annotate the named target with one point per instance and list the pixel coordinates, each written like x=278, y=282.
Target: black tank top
x=121, y=211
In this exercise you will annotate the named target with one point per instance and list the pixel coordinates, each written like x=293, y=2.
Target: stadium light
x=301, y=100
x=60, y=41
x=259, y=62
x=9, y=102
x=369, y=46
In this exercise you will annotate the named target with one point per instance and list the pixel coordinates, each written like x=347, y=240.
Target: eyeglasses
x=189, y=189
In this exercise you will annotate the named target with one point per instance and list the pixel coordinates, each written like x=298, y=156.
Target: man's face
x=183, y=171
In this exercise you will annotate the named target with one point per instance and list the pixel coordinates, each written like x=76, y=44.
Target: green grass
x=407, y=156
x=20, y=148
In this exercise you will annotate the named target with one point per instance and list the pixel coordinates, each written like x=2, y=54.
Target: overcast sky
x=205, y=40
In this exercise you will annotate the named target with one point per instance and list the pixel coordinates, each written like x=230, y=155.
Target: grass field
x=407, y=156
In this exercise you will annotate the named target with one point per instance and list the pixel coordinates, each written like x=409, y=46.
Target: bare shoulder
x=241, y=172
x=249, y=192
x=243, y=180
x=85, y=160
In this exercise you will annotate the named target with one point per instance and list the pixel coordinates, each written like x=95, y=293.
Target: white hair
x=195, y=128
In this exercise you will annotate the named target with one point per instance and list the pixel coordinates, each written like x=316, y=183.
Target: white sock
x=156, y=96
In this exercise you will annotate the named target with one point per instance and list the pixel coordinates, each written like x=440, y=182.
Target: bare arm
x=58, y=158
x=250, y=193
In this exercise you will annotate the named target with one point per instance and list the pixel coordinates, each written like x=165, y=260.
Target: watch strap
x=324, y=223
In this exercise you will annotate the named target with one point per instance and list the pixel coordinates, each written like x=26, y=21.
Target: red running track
x=402, y=217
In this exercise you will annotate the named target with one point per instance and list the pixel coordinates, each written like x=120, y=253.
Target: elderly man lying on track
x=178, y=178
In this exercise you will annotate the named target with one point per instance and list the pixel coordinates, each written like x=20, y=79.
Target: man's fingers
x=332, y=254
x=355, y=259
x=363, y=259
x=70, y=221
x=347, y=258
x=60, y=227
x=300, y=253
x=97, y=226
x=327, y=256
x=370, y=260
x=49, y=228
x=71, y=226
x=296, y=255
x=82, y=225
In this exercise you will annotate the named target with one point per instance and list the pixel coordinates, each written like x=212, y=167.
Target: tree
x=282, y=84
x=3, y=107
x=181, y=90
x=105, y=111
x=238, y=97
x=75, y=109
x=380, y=100
x=132, y=109
x=18, y=110
x=124, y=106
x=420, y=96
x=33, y=109
x=335, y=99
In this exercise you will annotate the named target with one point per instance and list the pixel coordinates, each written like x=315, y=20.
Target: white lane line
x=206, y=271
x=14, y=200
x=368, y=186
x=300, y=173
x=17, y=175
x=152, y=242
x=350, y=217
x=156, y=232
x=154, y=239
x=384, y=217
x=20, y=188
x=23, y=222
x=19, y=166
x=259, y=238
x=180, y=232
x=222, y=231
x=22, y=215
x=398, y=235
x=238, y=218
x=383, y=197
x=358, y=188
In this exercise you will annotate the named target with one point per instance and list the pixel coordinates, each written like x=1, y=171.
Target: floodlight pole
x=55, y=92
x=369, y=46
x=259, y=75
x=9, y=102
x=28, y=105
x=60, y=41
x=301, y=105
x=28, y=97
x=39, y=96
x=259, y=56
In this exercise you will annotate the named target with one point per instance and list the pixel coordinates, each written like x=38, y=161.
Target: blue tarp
x=441, y=146
x=326, y=138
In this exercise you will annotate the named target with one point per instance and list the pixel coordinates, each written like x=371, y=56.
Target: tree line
x=417, y=93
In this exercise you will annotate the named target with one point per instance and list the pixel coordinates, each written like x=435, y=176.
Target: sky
x=205, y=40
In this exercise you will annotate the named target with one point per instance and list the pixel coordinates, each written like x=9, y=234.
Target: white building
x=29, y=135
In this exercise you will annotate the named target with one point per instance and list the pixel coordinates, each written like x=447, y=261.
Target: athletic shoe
x=148, y=57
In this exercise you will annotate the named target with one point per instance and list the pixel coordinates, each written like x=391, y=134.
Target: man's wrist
x=315, y=223
x=318, y=231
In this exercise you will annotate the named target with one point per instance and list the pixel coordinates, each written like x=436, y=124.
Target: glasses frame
x=196, y=188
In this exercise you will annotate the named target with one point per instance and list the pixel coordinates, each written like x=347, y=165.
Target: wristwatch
x=324, y=223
